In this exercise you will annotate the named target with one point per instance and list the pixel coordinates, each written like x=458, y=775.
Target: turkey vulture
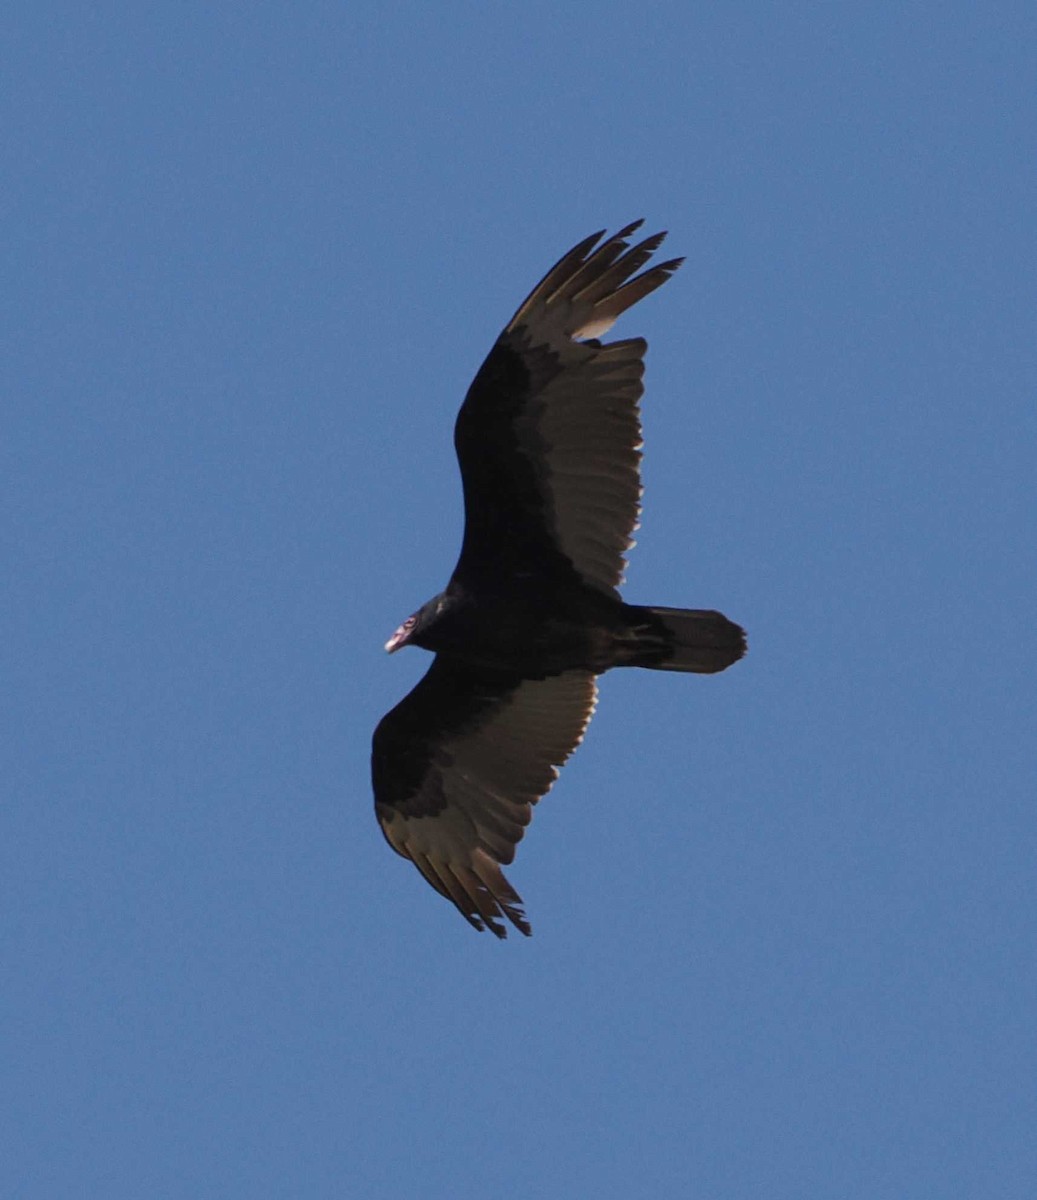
x=548, y=441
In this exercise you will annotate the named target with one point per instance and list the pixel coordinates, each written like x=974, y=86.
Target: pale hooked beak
x=399, y=638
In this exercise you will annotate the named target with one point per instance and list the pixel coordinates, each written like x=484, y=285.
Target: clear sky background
x=784, y=918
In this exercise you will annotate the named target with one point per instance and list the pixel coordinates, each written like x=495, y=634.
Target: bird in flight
x=549, y=445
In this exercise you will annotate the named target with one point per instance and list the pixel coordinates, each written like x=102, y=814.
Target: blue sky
x=784, y=918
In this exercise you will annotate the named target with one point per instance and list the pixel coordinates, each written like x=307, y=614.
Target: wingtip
x=484, y=921
x=627, y=230
x=518, y=919
x=651, y=243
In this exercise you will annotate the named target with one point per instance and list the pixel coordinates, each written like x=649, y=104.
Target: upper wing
x=549, y=435
x=457, y=766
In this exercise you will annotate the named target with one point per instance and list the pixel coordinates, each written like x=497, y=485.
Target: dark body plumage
x=548, y=441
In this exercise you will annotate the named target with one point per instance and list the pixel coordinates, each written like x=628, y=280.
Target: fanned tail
x=685, y=639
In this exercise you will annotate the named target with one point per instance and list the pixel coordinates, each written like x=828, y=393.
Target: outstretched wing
x=457, y=766
x=549, y=436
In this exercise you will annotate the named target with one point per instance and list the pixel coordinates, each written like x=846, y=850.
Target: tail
x=683, y=639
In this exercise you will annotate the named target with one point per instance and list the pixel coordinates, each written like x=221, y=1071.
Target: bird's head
x=415, y=625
